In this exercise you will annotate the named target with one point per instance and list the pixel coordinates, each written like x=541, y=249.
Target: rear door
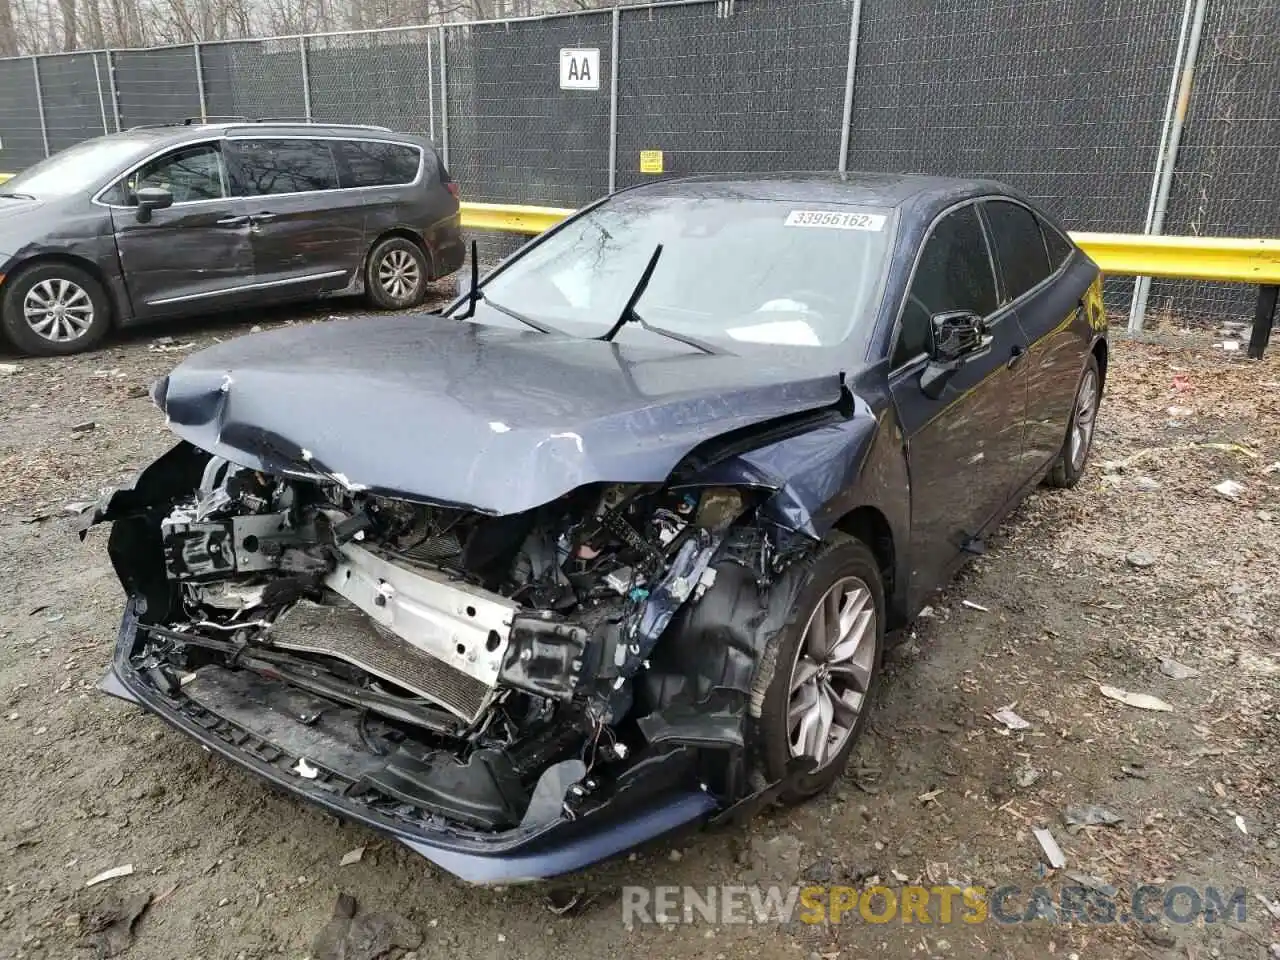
x=963, y=447
x=1045, y=311
x=307, y=233
x=193, y=255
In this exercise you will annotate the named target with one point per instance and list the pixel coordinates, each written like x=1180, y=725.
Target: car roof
x=892, y=190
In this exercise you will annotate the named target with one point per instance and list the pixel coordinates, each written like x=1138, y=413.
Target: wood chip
x=1143, y=701
x=1053, y=853
x=975, y=606
x=114, y=873
x=351, y=856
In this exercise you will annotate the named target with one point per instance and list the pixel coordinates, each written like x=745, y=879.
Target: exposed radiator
x=342, y=631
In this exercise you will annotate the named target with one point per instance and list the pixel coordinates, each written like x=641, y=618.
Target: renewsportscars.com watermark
x=938, y=905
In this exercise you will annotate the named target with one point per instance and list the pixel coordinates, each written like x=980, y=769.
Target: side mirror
x=956, y=337
x=152, y=198
x=956, y=334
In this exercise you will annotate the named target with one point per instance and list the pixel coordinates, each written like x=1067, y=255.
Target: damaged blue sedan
x=612, y=544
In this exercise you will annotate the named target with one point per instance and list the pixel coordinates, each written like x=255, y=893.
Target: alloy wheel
x=1086, y=416
x=832, y=671
x=58, y=310
x=399, y=275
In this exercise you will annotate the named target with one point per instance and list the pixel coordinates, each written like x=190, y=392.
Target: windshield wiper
x=629, y=314
x=515, y=315
x=17, y=196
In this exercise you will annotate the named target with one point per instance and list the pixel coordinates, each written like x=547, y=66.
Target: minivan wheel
x=54, y=309
x=397, y=274
x=825, y=668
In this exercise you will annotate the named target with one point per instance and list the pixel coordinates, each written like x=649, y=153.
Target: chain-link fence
x=1070, y=101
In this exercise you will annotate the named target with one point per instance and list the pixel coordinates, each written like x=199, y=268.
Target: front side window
x=1019, y=246
x=954, y=273
x=374, y=164
x=266, y=167
x=754, y=271
x=191, y=174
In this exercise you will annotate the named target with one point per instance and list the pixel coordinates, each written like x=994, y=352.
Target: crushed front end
x=513, y=696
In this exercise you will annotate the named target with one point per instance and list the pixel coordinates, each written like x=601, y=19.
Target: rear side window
x=954, y=273
x=267, y=167
x=370, y=164
x=1019, y=246
x=1059, y=247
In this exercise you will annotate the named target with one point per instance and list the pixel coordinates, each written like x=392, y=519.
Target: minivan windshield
x=78, y=169
x=749, y=270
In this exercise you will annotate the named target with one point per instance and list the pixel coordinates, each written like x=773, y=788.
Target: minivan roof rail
x=236, y=119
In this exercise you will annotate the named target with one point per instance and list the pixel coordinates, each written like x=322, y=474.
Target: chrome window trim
x=247, y=286
x=220, y=138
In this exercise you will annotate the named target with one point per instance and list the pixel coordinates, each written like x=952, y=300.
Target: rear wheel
x=397, y=274
x=826, y=665
x=1069, y=467
x=54, y=309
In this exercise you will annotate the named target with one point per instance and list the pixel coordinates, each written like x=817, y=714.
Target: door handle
x=1016, y=356
x=233, y=221
x=263, y=217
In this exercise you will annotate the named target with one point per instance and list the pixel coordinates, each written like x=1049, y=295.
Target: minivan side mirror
x=956, y=337
x=152, y=198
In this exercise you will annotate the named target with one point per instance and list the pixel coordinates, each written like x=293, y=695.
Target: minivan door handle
x=233, y=221
x=263, y=217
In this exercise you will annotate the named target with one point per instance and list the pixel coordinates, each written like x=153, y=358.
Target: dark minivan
x=174, y=220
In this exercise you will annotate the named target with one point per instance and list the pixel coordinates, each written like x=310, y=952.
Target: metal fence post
x=855, y=25
x=613, y=100
x=444, y=100
x=306, y=77
x=204, y=105
x=431, y=91
x=44, y=129
x=111, y=81
x=1165, y=164
x=102, y=101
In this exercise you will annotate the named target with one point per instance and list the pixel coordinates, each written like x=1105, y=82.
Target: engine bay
x=487, y=669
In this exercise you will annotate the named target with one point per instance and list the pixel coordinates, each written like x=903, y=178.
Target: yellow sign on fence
x=651, y=161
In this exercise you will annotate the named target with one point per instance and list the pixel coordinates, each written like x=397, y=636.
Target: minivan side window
x=954, y=273
x=189, y=173
x=1019, y=247
x=266, y=167
x=369, y=163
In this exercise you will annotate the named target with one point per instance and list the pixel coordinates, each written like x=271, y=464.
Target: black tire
x=770, y=734
x=397, y=274
x=1067, y=470
x=55, y=282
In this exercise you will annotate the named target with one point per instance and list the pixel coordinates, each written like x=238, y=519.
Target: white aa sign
x=579, y=68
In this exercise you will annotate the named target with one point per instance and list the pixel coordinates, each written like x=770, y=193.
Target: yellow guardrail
x=512, y=218
x=1187, y=258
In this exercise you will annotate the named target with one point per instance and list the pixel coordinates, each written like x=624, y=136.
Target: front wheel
x=1069, y=467
x=54, y=309
x=397, y=274
x=826, y=665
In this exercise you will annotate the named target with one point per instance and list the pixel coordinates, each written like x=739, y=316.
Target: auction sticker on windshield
x=836, y=221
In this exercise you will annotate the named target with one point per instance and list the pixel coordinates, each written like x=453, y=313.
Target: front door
x=193, y=255
x=963, y=448
x=307, y=234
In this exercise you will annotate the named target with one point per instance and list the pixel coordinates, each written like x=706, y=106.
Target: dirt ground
x=1090, y=587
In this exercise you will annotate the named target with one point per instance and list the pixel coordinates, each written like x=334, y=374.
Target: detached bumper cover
x=509, y=857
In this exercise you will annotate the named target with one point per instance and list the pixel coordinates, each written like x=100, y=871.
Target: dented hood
x=490, y=418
